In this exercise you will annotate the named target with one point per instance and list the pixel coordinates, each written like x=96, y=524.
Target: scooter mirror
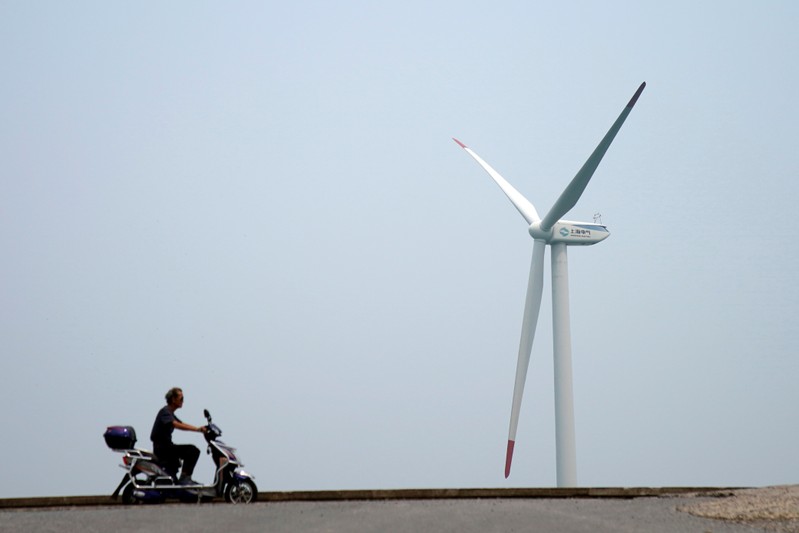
x=206, y=414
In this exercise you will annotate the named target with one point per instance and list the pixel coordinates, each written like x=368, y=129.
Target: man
x=168, y=453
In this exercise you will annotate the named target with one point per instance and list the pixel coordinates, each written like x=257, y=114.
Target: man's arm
x=187, y=427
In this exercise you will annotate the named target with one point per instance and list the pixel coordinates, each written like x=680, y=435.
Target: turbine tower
x=559, y=234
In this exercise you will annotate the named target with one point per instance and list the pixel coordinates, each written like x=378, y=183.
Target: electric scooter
x=147, y=480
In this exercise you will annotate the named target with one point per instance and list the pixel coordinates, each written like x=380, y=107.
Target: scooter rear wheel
x=128, y=498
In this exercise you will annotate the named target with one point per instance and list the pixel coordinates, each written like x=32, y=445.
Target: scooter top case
x=120, y=437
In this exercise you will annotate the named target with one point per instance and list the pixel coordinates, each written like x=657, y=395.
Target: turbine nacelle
x=570, y=233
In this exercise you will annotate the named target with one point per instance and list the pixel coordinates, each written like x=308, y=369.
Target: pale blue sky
x=261, y=203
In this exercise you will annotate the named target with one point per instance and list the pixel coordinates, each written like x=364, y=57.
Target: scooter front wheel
x=241, y=491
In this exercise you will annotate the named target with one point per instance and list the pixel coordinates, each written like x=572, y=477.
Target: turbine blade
x=532, y=305
x=517, y=199
x=574, y=190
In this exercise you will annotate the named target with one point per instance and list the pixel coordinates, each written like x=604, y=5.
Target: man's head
x=174, y=397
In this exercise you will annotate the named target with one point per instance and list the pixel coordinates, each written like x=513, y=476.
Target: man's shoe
x=187, y=481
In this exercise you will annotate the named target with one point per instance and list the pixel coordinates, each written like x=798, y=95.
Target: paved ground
x=650, y=515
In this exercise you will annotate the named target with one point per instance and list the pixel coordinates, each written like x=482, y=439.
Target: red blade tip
x=459, y=143
x=509, y=457
x=636, y=95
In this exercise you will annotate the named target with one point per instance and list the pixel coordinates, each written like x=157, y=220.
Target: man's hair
x=171, y=393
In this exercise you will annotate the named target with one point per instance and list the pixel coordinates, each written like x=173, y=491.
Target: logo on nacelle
x=578, y=233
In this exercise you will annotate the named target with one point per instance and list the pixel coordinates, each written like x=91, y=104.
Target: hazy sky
x=261, y=202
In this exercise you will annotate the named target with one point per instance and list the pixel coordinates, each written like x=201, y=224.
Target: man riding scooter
x=170, y=454
x=150, y=478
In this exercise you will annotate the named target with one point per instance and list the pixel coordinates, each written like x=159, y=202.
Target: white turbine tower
x=559, y=234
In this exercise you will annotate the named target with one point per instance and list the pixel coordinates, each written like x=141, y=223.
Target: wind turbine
x=559, y=234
